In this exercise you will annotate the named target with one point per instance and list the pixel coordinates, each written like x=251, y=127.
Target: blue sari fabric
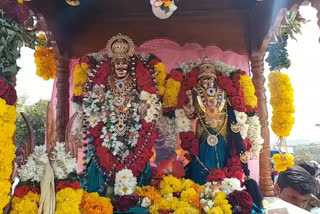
x=208, y=156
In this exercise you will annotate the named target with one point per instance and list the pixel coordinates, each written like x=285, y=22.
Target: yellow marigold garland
x=249, y=91
x=170, y=97
x=25, y=205
x=92, y=203
x=45, y=61
x=80, y=77
x=68, y=201
x=161, y=77
x=7, y=149
x=283, y=161
x=282, y=103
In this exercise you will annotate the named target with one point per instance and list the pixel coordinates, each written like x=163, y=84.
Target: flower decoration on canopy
x=163, y=9
x=45, y=60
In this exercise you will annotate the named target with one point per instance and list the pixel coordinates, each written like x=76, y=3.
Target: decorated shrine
x=158, y=106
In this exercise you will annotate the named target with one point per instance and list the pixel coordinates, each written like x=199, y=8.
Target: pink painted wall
x=172, y=54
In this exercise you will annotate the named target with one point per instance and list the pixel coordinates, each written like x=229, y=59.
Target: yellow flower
x=161, y=77
x=170, y=184
x=167, y=3
x=282, y=103
x=7, y=149
x=170, y=97
x=283, y=161
x=247, y=86
x=68, y=201
x=45, y=61
x=80, y=77
x=25, y=205
x=20, y=1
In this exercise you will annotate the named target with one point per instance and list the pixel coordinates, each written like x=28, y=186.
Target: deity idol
x=215, y=101
x=120, y=108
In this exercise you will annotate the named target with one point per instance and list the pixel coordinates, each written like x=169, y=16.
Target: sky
x=304, y=73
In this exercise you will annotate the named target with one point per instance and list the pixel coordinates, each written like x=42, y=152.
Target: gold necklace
x=212, y=139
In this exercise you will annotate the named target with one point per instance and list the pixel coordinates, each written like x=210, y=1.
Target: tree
x=36, y=113
x=308, y=152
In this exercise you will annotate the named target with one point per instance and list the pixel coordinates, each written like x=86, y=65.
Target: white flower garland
x=62, y=162
x=125, y=183
x=229, y=185
x=254, y=134
x=34, y=168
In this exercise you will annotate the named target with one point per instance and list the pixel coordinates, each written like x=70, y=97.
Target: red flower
x=237, y=103
x=154, y=61
x=241, y=202
x=182, y=98
x=97, y=130
x=176, y=75
x=144, y=79
x=186, y=140
x=247, y=144
x=192, y=82
x=21, y=191
x=216, y=175
x=102, y=74
x=249, y=109
x=224, y=82
x=84, y=59
x=64, y=184
x=7, y=92
x=166, y=211
x=35, y=190
x=125, y=202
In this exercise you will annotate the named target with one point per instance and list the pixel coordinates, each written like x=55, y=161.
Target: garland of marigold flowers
x=7, y=149
x=45, y=61
x=27, y=204
x=68, y=201
x=282, y=120
x=250, y=99
x=80, y=77
x=173, y=84
x=92, y=203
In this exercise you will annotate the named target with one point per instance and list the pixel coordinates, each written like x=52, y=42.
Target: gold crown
x=120, y=47
x=207, y=70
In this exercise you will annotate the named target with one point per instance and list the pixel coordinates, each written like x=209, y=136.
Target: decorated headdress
x=120, y=47
x=207, y=69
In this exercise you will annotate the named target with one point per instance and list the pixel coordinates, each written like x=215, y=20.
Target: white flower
x=210, y=203
x=62, y=162
x=183, y=124
x=241, y=117
x=229, y=185
x=148, y=118
x=244, y=130
x=180, y=113
x=125, y=183
x=94, y=120
x=34, y=168
x=144, y=95
x=146, y=202
x=206, y=209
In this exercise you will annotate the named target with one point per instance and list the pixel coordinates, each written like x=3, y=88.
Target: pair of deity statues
x=121, y=107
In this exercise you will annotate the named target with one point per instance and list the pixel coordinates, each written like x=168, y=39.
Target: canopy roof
x=237, y=25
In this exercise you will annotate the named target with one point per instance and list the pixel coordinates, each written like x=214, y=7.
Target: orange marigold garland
x=45, y=60
x=92, y=203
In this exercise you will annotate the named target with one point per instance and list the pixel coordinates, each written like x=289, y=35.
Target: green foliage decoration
x=12, y=37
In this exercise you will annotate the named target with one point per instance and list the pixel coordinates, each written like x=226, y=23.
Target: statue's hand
x=189, y=106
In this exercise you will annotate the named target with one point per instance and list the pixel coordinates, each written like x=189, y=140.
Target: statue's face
x=120, y=68
x=207, y=82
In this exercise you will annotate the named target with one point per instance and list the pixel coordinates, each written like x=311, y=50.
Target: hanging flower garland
x=80, y=76
x=7, y=149
x=45, y=60
x=92, y=203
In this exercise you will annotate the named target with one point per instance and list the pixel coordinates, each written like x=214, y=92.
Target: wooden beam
x=257, y=68
x=62, y=107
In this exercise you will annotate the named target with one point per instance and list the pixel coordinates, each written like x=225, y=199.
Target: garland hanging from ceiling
x=280, y=86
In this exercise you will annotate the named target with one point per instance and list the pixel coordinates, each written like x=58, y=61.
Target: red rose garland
x=138, y=158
